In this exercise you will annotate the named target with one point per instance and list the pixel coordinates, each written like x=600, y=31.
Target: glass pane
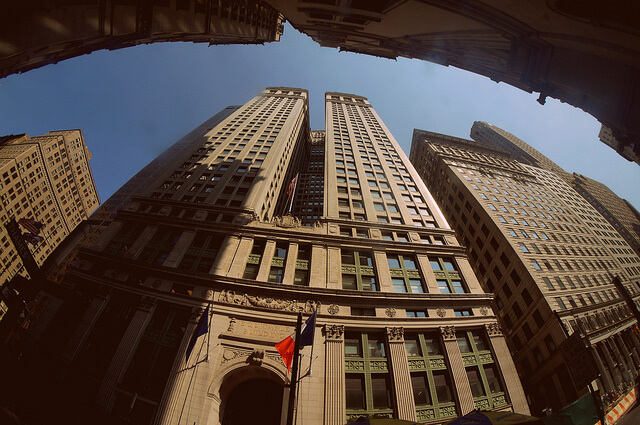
x=349, y=281
x=443, y=390
x=463, y=342
x=381, y=393
x=347, y=257
x=416, y=286
x=376, y=348
x=365, y=259
x=393, y=261
x=369, y=283
x=444, y=287
x=492, y=379
x=398, y=285
x=435, y=265
x=352, y=347
x=409, y=264
x=354, y=386
x=420, y=392
x=448, y=265
x=475, y=382
x=433, y=345
x=457, y=287
x=412, y=346
x=480, y=341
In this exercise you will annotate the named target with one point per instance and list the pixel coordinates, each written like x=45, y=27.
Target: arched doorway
x=257, y=400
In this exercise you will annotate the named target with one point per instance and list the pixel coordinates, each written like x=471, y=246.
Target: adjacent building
x=544, y=252
x=404, y=328
x=48, y=179
x=629, y=151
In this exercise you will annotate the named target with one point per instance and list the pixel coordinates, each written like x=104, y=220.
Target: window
x=276, y=273
x=405, y=276
x=447, y=276
x=475, y=382
x=202, y=252
x=358, y=272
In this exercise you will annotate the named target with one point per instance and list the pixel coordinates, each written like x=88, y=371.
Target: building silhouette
x=547, y=255
x=404, y=328
x=47, y=179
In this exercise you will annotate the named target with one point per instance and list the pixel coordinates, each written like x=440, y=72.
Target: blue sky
x=133, y=103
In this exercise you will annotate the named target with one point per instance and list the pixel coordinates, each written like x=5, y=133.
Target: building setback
x=546, y=254
x=46, y=178
x=404, y=329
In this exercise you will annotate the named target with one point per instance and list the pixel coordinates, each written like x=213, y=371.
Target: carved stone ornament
x=333, y=309
x=395, y=334
x=147, y=303
x=441, y=312
x=230, y=297
x=232, y=324
x=484, y=311
x=333, y=332
x=195, y=316
x=390, y=312
x=287, y=221
x=209, y=294
x=493, y=329
x=448, y=332
x=256, y=357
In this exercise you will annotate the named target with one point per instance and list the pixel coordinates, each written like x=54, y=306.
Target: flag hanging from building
x=32, y=239
x=286, y=347
x=31, y=225
x=201, y=329
x=292, y=187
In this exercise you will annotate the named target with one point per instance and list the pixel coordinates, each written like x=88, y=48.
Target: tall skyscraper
x=403, y=329
x=547, y=255
x=48, y=179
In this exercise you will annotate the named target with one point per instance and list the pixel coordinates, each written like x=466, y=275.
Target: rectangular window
x=477, y=389
x=355, y=395
x=420, y=389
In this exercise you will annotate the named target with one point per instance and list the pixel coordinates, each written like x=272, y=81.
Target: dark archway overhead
x=584, y=53
x=252, y=401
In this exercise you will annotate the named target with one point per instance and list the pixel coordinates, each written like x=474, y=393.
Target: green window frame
x=448, y=277
x=301, y=274
x=253, y=261
x=202, y=253
x=405, y=276
x=358, y=270
x=487, y=385
x=124, y=239
x=276, y=272
x=429, y=373
x=367, y=378
x=158, y=248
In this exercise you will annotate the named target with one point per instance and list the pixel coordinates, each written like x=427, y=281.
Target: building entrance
x=257, y=400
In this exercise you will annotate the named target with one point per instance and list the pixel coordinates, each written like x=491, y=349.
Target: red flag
x=286, y=347
x=31, y=225
x=292, y=187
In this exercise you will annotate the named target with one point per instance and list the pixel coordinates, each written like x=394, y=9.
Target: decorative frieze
x=493, y=329
x=390, y=312
x=448, y=332
x=230, y=297
x=441, y=312
x=395, y=334
x=333, y=309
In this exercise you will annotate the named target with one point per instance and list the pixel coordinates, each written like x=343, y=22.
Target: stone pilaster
x=169, y=403
x=613, y=371
x=460, y=380
x=382, y=270
x=400, y=374
x=124, y=354
x=84, y=327
x=225, y=256
x=265, y=261
x=318, y=268
x=240, y=259
x=179, y=249
x=427, y=272
x=334, y=403
x=507, y=369
x=136, y=248
x=335, y=268
x=290, y=263
x=105, y=237
x=624, y=353
x=605, y=377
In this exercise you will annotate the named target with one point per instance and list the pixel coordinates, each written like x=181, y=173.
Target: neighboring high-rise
x=629, y=151
x=403, y=329
x=547, y=255
x=48, y=179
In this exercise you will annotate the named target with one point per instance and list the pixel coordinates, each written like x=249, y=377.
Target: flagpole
x=293, y=194
x=294, y=372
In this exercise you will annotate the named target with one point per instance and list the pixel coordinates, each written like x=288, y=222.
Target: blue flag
x=201, y=329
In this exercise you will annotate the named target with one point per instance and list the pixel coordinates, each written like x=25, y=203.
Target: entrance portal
x=257, y=400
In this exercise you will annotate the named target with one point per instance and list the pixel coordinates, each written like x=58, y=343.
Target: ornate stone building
x=404, y=329
x=46, y=178
x=544, y=252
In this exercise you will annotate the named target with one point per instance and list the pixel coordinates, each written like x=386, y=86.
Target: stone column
x=605, y=377
x=265, y=261
x=400, y=374
x=626, y=357
x=84, y=327
x=240, y=259
x=124, y=353
x=318, y=267
x=508, y=370
x=290, y=263
x=613, y=371
x=334, y=382
x=427, y=272
x=179, y=249
x=170, y=399
x=629, y=349
x=105, y=237
x=460, y=380
x=225, y=255
x=136, y=248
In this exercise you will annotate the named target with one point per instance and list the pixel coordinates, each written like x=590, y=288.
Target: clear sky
x=133, y=103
